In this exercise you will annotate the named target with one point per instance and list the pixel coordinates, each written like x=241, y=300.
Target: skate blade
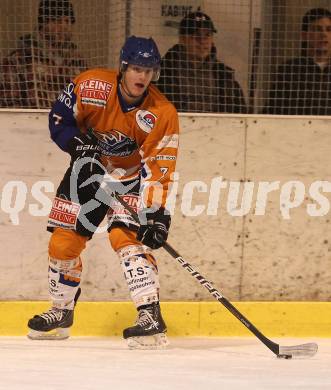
x=55, y=334
x=157, y=341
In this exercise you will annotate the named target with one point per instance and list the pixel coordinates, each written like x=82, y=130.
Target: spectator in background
x=44, y=62
x=303, y=84
x=191, y=76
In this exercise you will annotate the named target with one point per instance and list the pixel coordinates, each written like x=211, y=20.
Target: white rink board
x=188, y=364
x=255, y=257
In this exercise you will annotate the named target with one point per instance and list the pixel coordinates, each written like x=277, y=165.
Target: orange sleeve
x=159, y=157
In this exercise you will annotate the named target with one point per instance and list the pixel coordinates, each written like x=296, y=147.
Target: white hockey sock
x=141, y=274
x=64, y=279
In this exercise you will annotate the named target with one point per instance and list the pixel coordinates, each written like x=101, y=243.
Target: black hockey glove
x=154, y=227
x=83, y=145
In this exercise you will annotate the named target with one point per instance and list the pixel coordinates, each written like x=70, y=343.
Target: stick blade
x=298, y=351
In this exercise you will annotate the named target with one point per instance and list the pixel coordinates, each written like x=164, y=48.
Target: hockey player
x=114, y=125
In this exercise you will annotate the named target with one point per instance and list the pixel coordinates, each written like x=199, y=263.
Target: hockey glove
x=154, y=232
x=85, y=146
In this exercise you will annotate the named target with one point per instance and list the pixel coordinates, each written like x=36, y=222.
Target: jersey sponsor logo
x=118, y=214
x=168, y=141
x=63, y=214
x=145, y=120
x=95, y=92
x=115, y=143
x=131, y=200
x=164, y=157
x=67, y=96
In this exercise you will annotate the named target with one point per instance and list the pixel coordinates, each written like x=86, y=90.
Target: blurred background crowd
x=240, y=56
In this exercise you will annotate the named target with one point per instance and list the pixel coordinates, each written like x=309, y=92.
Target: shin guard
x=64, y=279
x=141, y=274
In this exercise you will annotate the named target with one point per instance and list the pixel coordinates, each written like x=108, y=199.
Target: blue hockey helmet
x=142, y=52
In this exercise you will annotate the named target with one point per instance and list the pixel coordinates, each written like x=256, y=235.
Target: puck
x=284, y=356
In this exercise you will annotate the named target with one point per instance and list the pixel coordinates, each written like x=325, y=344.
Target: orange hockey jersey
x=142, y=140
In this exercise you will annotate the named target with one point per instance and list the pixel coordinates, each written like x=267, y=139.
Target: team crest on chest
x=145, y=120
x=115, y=143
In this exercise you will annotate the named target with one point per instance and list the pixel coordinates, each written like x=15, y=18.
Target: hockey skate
x=149, y=330
x=53, y=324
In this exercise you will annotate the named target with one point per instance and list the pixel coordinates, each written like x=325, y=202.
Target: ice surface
x=187, y=364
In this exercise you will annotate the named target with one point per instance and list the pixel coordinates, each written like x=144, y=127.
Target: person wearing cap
x=303, y=84
x=191, y=76
x=43, y=62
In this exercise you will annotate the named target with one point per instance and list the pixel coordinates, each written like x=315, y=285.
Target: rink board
x=250, y=258
x=276, y=319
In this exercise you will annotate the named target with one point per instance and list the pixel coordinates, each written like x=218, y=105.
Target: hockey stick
x=284, y=352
